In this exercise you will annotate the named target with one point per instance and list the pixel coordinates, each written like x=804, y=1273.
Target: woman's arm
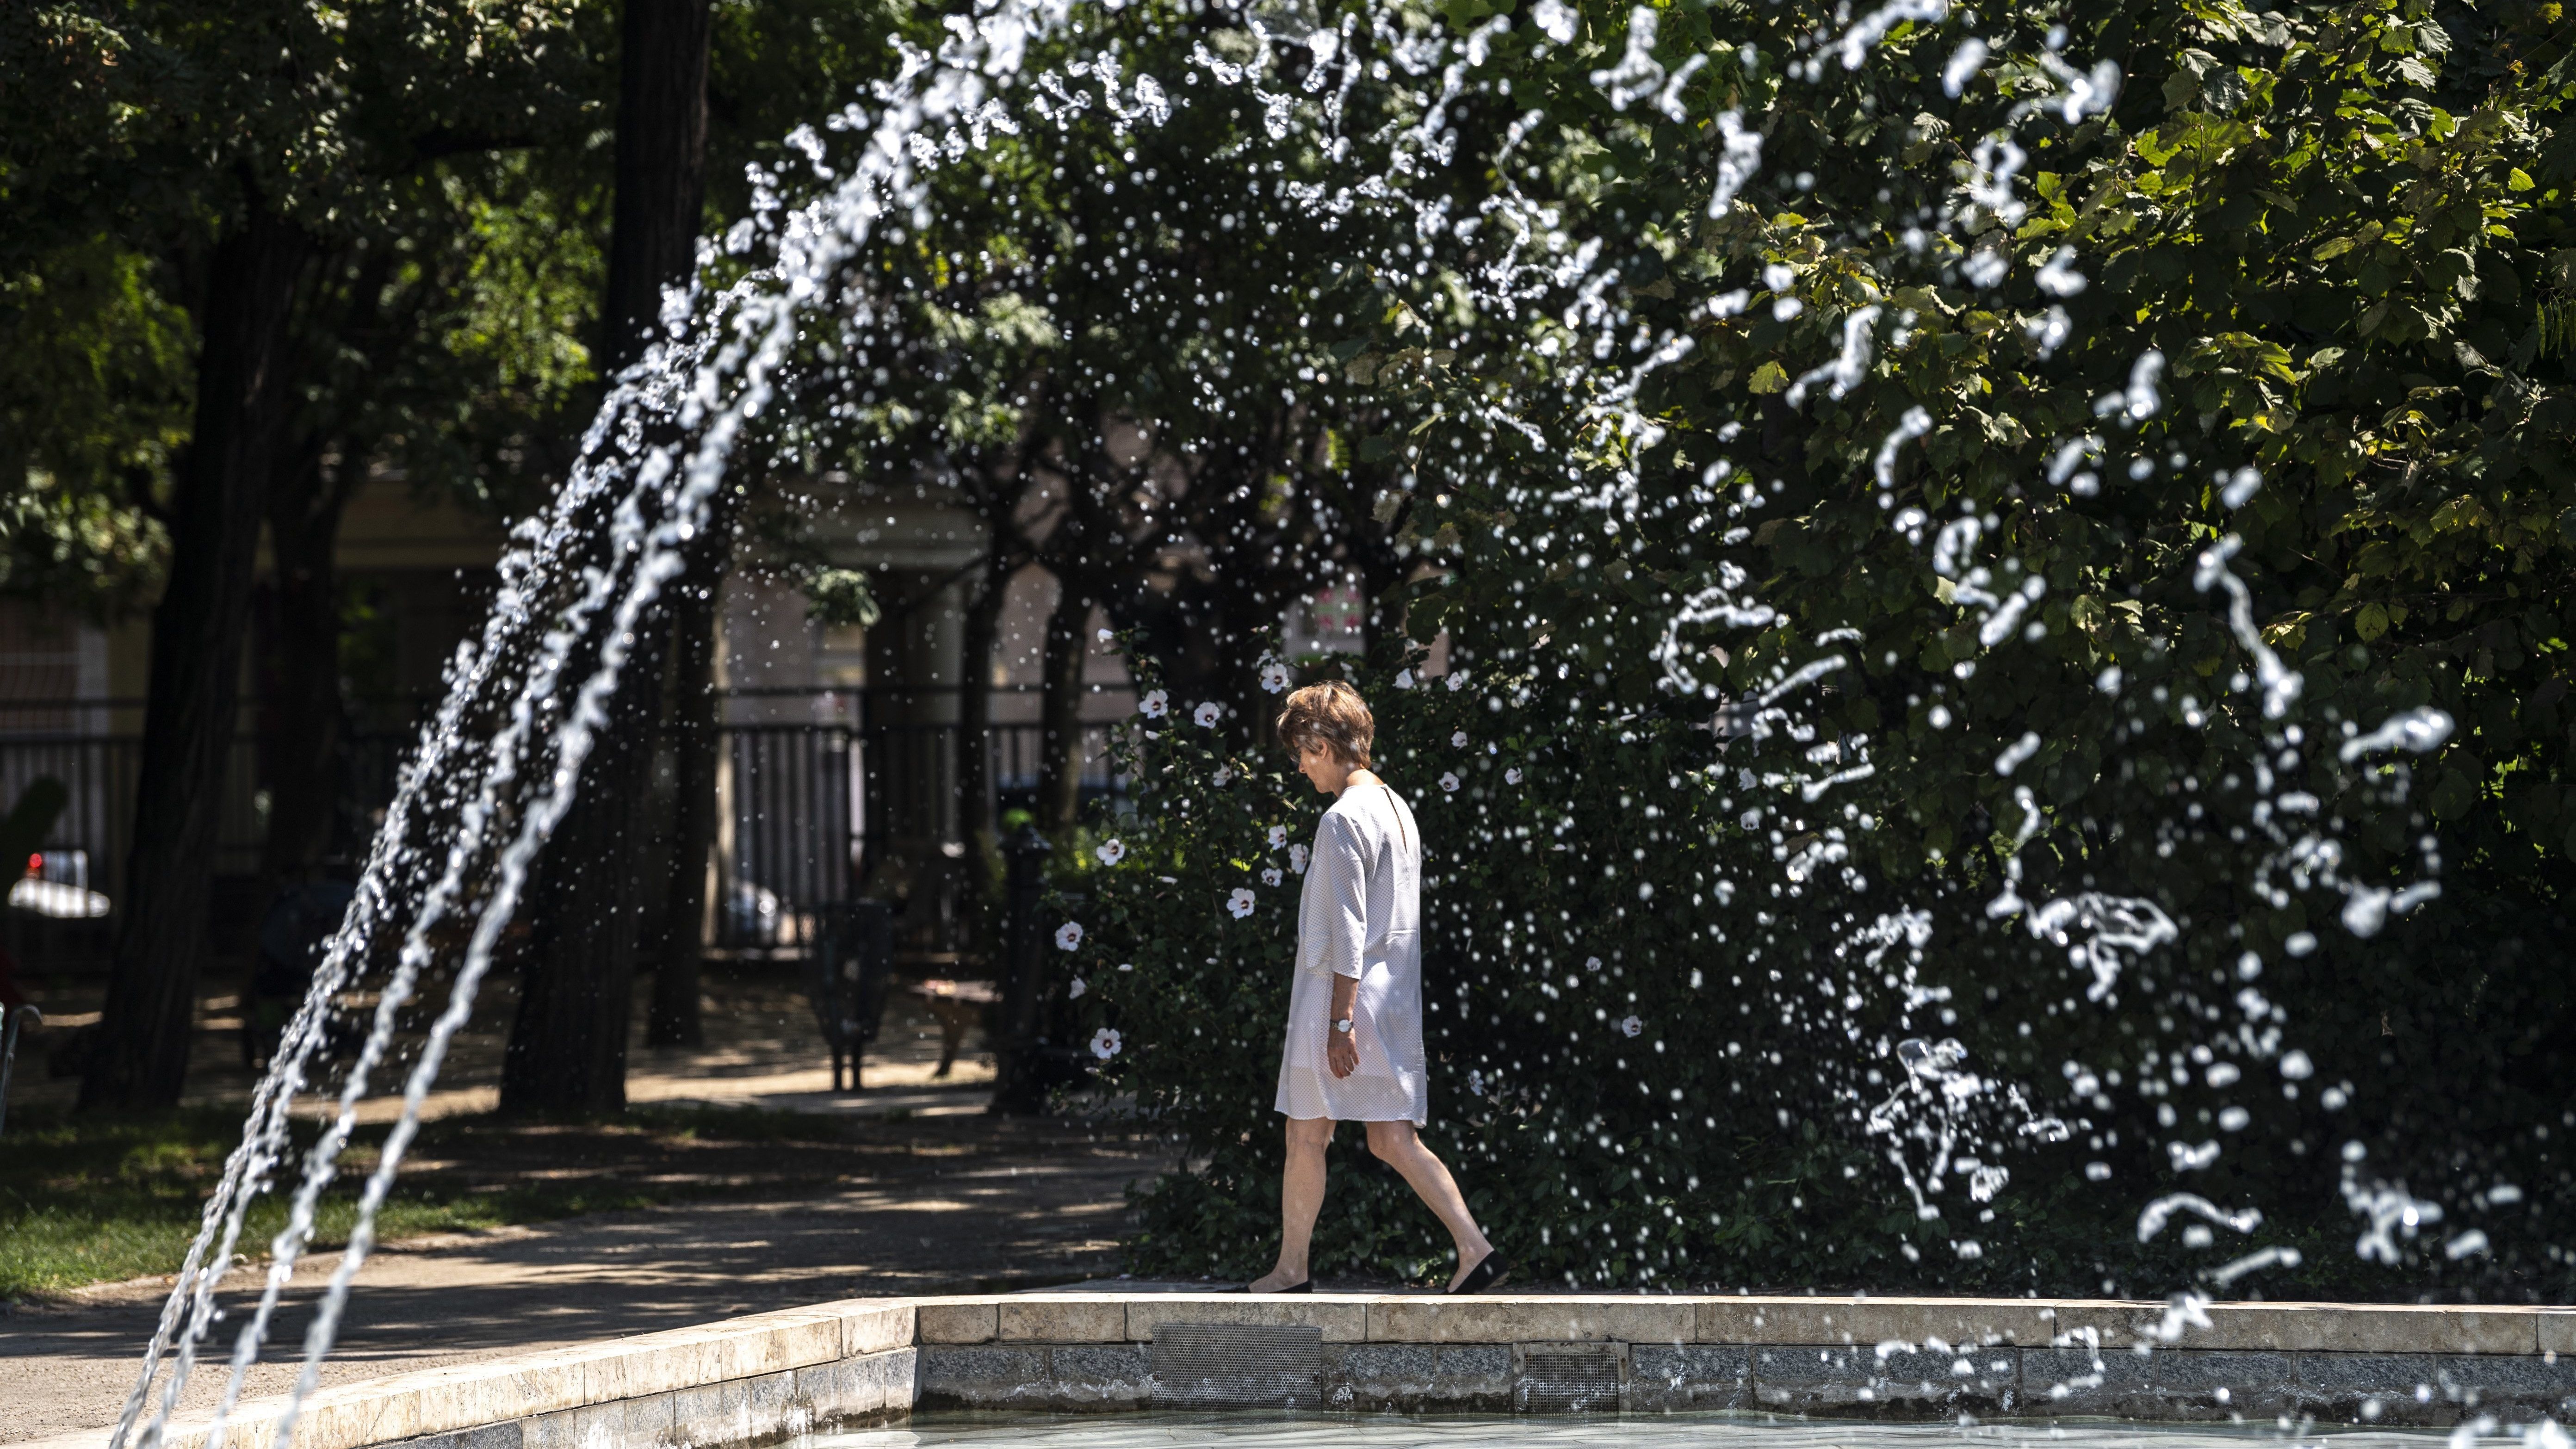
x=1342, y=1048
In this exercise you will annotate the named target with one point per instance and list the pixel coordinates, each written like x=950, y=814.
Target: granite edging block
x=1800, y=1375
x=773, y=1372
x=1096, y=1375
x=862, y=1387
x=2528, y=1380
x=784, y=1399
x=462, y=1396
x=1036, y=1318
x=1872, y=1321
x=956, y=1320
x=983, y=1376
x=355, y=1415
x=1380, y=1371
x=2367, y=1328
x=650, y=1363
x=772, y=1343
x=1343, y=1320
x=726, y=1407
x=566, y=1429
x=252, y=1426
x=2332, y=1380
x=1567, y=1319
x=490, y=1436
x=1668, y=1377
x=873, y=1325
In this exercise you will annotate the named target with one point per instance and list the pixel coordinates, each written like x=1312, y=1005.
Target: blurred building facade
x=839, y=769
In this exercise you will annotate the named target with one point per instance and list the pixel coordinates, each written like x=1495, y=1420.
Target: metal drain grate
x=1238, y=1365
x=1557, y=1378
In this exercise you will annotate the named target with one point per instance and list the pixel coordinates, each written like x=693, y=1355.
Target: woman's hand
x=1342, y=1048
x=1342, y=1053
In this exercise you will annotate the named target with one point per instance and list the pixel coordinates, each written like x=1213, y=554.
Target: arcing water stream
x=497, y=768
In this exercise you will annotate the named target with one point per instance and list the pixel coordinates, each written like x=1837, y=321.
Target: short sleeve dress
x=1360, y=915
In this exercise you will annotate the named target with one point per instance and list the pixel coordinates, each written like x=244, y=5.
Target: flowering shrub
x=1683, y=1020
x=1609, y=1101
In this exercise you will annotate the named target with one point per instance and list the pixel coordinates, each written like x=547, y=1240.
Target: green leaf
x=2453, y=794
x=2371, y=622
x=1769, y=378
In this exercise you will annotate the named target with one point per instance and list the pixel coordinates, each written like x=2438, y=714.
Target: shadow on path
x=954, y=1203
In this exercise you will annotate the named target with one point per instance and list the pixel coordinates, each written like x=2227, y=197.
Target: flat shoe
x=1489, y=1272
x=1306, y=1287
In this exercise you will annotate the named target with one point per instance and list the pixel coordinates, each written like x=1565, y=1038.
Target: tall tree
x=198, y=632
x=596, y=909
x=239, y=142
x=446, y=345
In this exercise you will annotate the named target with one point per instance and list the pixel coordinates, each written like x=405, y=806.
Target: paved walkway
x=927, y=1195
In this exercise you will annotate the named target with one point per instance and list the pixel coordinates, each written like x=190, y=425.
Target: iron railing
x=809, y=810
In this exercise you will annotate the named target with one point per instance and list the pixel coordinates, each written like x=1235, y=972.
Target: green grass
x=94, y=1199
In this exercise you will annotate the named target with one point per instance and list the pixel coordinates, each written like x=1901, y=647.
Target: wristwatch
x=1343, y=1026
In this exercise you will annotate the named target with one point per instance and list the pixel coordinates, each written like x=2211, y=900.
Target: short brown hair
x=1333, y=715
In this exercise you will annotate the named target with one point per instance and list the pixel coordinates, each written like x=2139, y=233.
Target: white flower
x=1126, y=965
x=1240, y=903
x=1297, y=859
x=1591, y=963
x=1512, y=776
x=1207, y=714
x=1458, y=741
x=1278, y=836
x=1449, y=781
x=1270, y=875
x=1105, y=1043
x=1224, y=776
x=1073, y=989
x=1404, y=679
x=1068, y=936
x=1274, y=677
x=1155, y=704
x=1457, y=681
x=1106, y=636
x=1476, y=1084
x=1111, y=851
x=1631, y=1026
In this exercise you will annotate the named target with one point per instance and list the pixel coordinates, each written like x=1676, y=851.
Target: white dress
x=1360, y=915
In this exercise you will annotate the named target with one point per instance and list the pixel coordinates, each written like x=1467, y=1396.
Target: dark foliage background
x=2342, y=231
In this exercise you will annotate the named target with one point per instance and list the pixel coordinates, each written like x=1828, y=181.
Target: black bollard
x=12, y=1021
x=1020, y=1077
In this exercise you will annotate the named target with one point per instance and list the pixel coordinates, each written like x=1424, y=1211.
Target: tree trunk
x=661, y=166
x=307, y=716
x=567, y=1049
x=589, y=916
x=197, y=634
x=676, y=944
x=982, y=634
x=1060, y=708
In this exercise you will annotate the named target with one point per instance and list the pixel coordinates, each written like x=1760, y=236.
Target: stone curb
x=773, y=1374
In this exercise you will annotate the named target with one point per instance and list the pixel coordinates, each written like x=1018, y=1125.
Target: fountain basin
x=863, y=1362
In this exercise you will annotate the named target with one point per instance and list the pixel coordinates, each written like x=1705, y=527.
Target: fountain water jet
x=585, y=575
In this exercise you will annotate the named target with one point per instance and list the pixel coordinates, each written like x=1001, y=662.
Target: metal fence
x=814, y=811
x=807, y=812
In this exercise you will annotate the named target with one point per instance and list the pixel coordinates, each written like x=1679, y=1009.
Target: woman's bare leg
x=1400, y=1147
x=1301, y=1197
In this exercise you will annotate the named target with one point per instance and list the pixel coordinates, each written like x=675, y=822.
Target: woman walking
x=1354, y=1046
